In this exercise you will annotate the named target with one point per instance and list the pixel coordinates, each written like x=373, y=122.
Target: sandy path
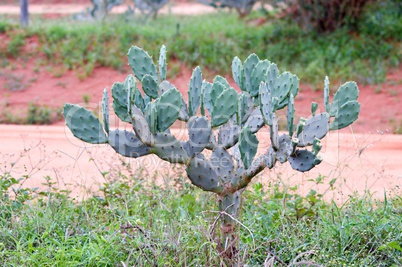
x=360, y=162
x=179, y=9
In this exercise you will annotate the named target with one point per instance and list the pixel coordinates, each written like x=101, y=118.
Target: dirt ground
x=360, y=163
x=54, y=8
x=362, y=157
x=381, y=110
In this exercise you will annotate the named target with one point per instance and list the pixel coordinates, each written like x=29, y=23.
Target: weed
x=58, y=71
x=15, y=45
x=396, y=126
x=13, y=82
x=61, y=84
x=42, y=114
x=86, y=98
x=116, y=226
x=35, y=114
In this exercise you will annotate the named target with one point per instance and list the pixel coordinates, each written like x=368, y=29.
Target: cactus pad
x=285, y=148
x=83, y=124
x=162, y=63
x=222, y=162
x=315, y=127
x=266, y=103
x=258, y=75
x=248, y=144
x=228, y=134
x=222, y=80
x=141, y=127
x=122, y=97
x=105, y=111
x=272, y=75
x=199, y=132
x=346, y=115
x=150, y=86
x=127, y=144
x=245, y=107
x=169, y=104
x=238, y=73
x=194, y=91
x=249, y=65
x=290, y=114
x=314, y=107
x=304, y=160
x=255, y=121
x=151, y=114
x=215, y=91
x=224, y=107
x=168, y=148
x=327, y=106
x=206, y=97
x=270, y=158
x=141, y=63
x=202, y=174
x=346, y=92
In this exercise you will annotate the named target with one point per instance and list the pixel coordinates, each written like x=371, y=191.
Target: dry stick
x=275, y=257
x=307, y=263
x=295, y=263
x=236, y=220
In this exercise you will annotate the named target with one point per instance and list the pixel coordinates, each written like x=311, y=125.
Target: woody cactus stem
x=219, y=119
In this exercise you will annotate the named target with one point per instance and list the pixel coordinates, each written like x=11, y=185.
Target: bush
x=325, y=15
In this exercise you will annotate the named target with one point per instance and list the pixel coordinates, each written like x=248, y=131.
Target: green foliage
x=47, y=226
x=383, y=20
x=212, y=41
x=17, y=41
x=325, y=15
x=41, y=114
x=35, y=114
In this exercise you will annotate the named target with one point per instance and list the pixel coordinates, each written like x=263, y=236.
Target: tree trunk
x=229, y=206
x=24, y=16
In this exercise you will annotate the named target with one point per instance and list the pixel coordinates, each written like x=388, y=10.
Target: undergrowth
x=131, y=221
x=35, y=115
x=212, y=41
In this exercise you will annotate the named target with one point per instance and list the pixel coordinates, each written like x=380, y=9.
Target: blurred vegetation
x=212, y=41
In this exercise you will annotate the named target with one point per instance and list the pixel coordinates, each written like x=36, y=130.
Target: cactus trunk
x=229, y=207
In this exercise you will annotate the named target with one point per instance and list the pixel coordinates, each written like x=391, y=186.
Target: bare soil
x=23, y=83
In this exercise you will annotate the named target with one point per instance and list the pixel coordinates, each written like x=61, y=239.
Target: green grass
x=212, y=41
x=132, y=221
x=35, y=115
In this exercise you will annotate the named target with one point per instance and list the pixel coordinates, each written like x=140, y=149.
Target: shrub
x=325, y=15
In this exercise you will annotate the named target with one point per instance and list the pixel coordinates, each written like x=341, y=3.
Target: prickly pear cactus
x=221, y=122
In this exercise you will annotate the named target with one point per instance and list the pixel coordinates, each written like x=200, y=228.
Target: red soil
x=380, y=110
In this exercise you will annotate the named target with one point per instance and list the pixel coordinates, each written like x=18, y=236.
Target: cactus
x=236, y=117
